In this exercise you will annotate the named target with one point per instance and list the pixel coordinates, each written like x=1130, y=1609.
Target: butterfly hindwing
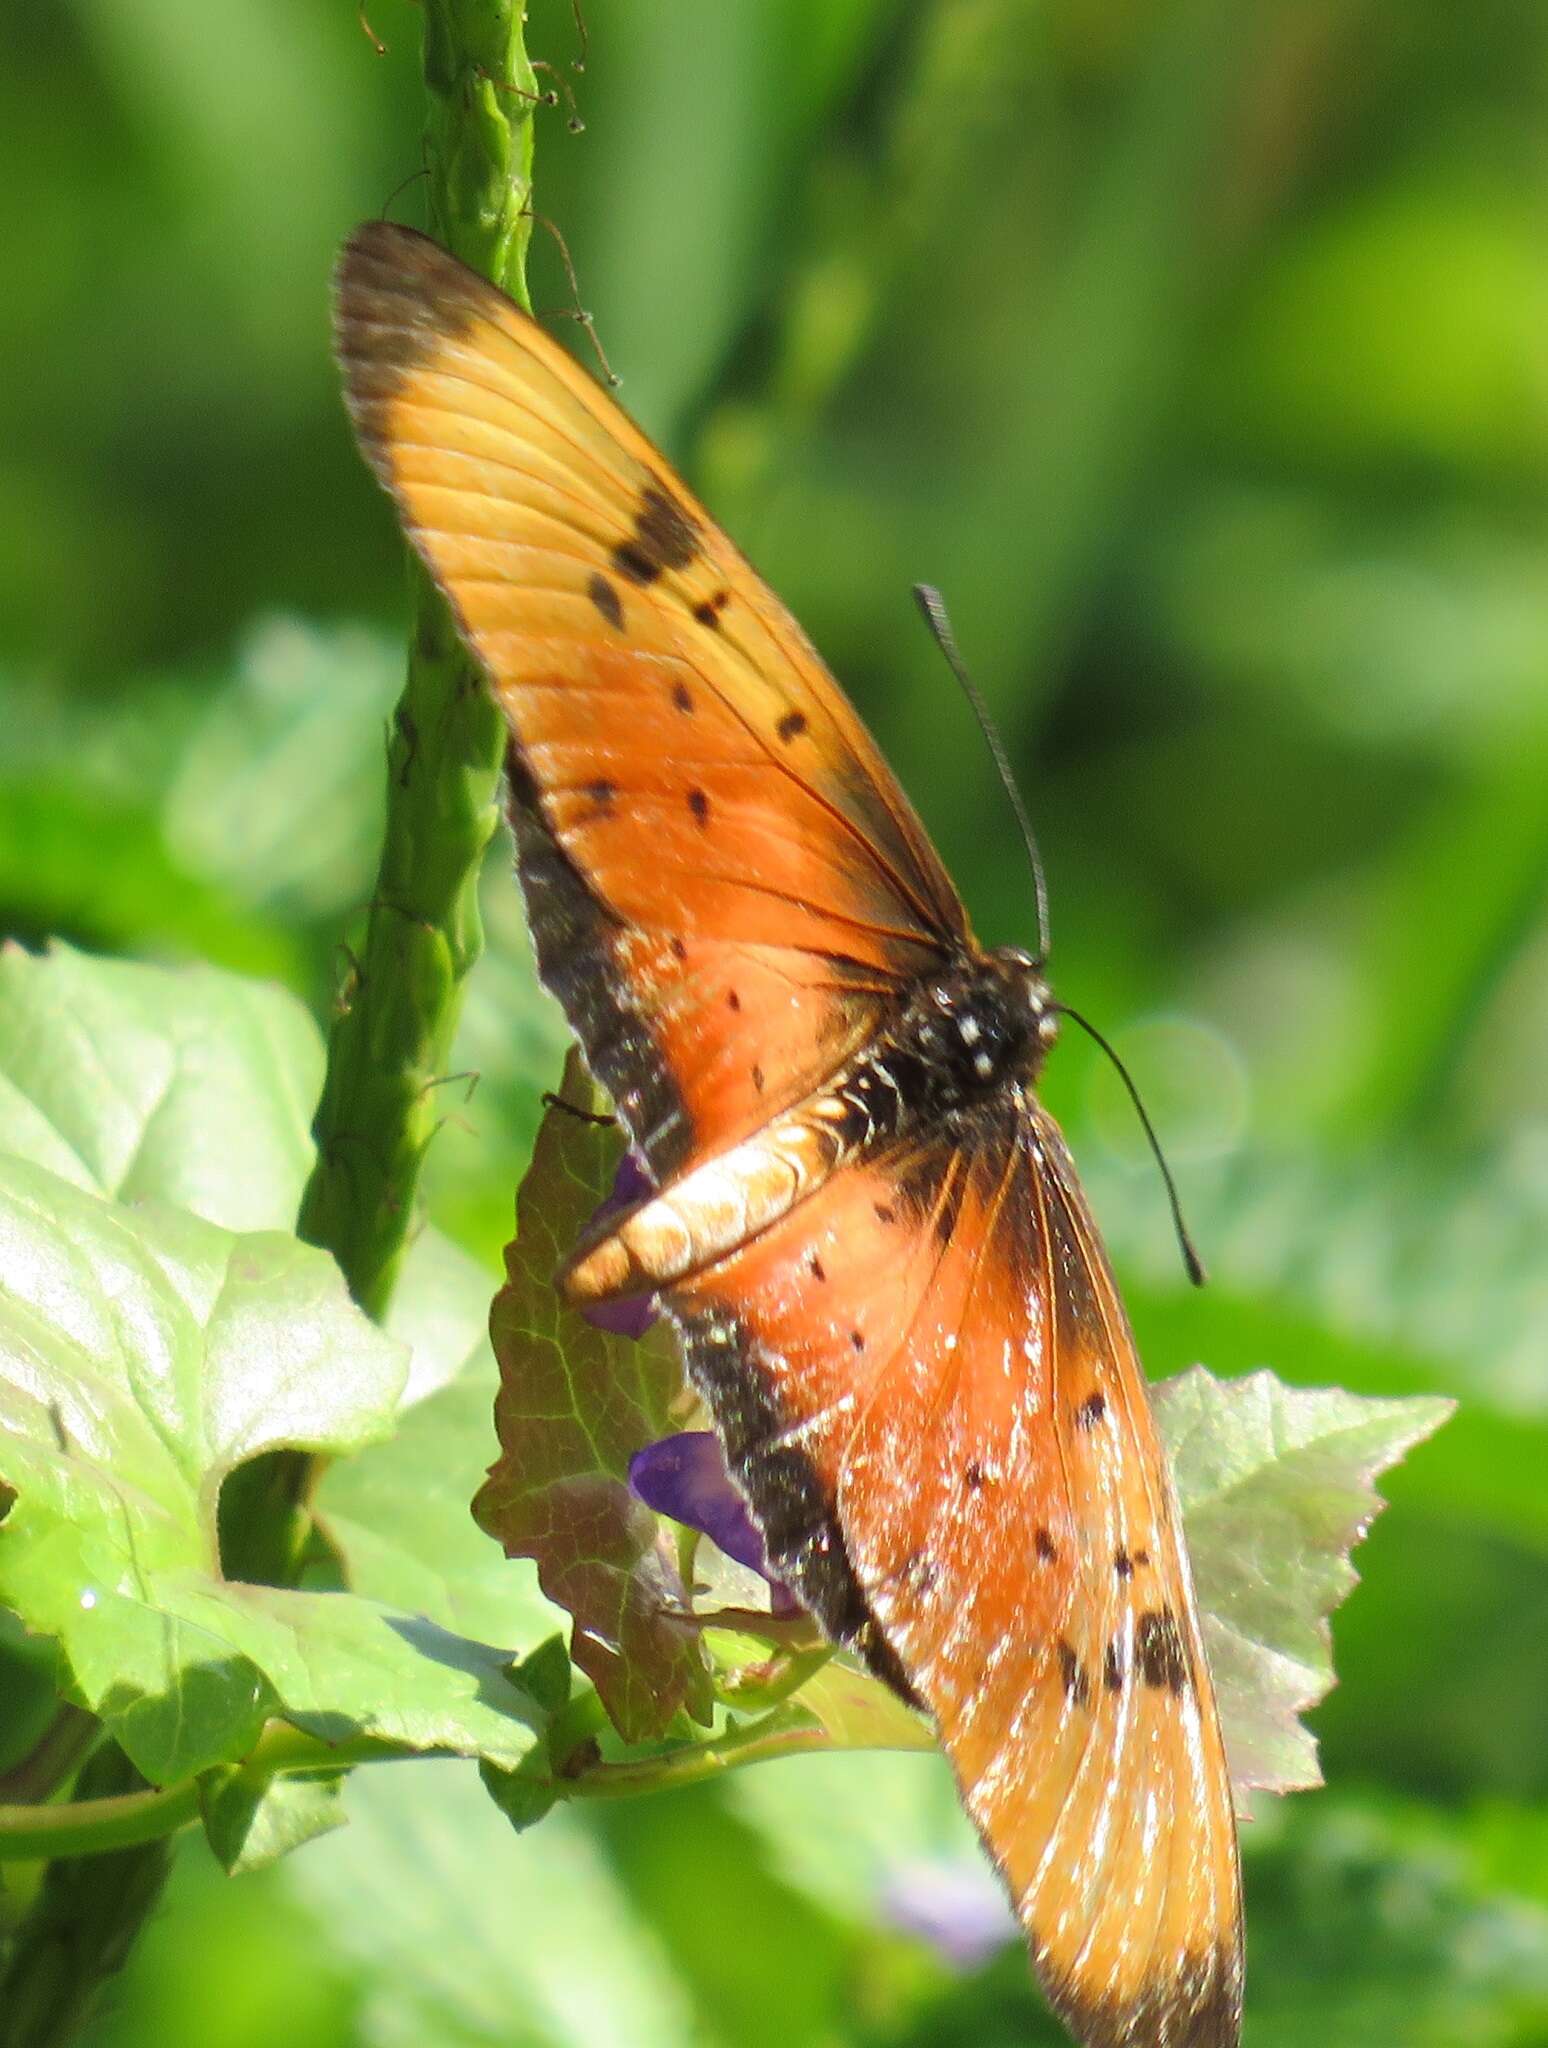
x=726, y=883
x=930, y=1394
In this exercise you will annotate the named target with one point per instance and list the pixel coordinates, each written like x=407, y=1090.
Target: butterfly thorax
x=961, y=1036
x=978, y=1025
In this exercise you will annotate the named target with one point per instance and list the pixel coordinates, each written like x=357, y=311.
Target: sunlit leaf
x=440, y=1310
x=279, y=792
x=397, y=1513
x=468, y=1937
x=143, y=1354
x=180, y=1085
x=1276, y=1485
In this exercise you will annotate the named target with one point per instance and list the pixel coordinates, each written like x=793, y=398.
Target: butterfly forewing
x=705, y=813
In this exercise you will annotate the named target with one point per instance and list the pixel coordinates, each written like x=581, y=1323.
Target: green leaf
x=527, y=1794
x=546, y=1673
x=856, y=1711
x=1376, y=1923
x=278, y=795
x=251, y=1820
x=1276, y=1489
x=144, y=1354
x=181, y=1085
x=397, y=1513
x=29, y=1688
x=440, y=1310
x=469, y=1937
x=574, y=1404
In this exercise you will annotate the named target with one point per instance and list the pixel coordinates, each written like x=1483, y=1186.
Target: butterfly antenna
x=933, y=606
x=1185, y=1244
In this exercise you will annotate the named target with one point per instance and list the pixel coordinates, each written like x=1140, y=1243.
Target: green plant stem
x=93, y=1827
x=119, y=1818
x=391, y=1042
x=777, y=1735
x=122, y=1819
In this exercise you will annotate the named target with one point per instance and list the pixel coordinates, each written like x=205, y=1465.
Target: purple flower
x=956, y=1907
x=631, y=1184
x=685, y=1476
x=631, y=1315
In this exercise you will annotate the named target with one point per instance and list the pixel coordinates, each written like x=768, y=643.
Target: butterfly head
x=1006, y=1014
x=1028, y=1001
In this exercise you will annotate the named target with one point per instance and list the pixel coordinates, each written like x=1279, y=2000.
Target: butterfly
x=869, y=1233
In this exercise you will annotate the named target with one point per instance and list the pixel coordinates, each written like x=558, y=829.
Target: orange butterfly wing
x=707, y=834
x=930, y=1395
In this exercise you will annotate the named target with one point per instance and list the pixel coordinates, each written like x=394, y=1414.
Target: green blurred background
x=1199, y=350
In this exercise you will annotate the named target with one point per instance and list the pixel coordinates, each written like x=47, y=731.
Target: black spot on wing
x=1073, y=1673
x=606, y=600
x=1159, y=1652
x=1090, y=1411
x=1047, y=1549
x=664, y=538
x=791, y=726
x=699, y=804
x=682, y=697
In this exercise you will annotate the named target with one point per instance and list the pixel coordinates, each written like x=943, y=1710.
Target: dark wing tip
x=397, y=297
x=1199, y=2006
